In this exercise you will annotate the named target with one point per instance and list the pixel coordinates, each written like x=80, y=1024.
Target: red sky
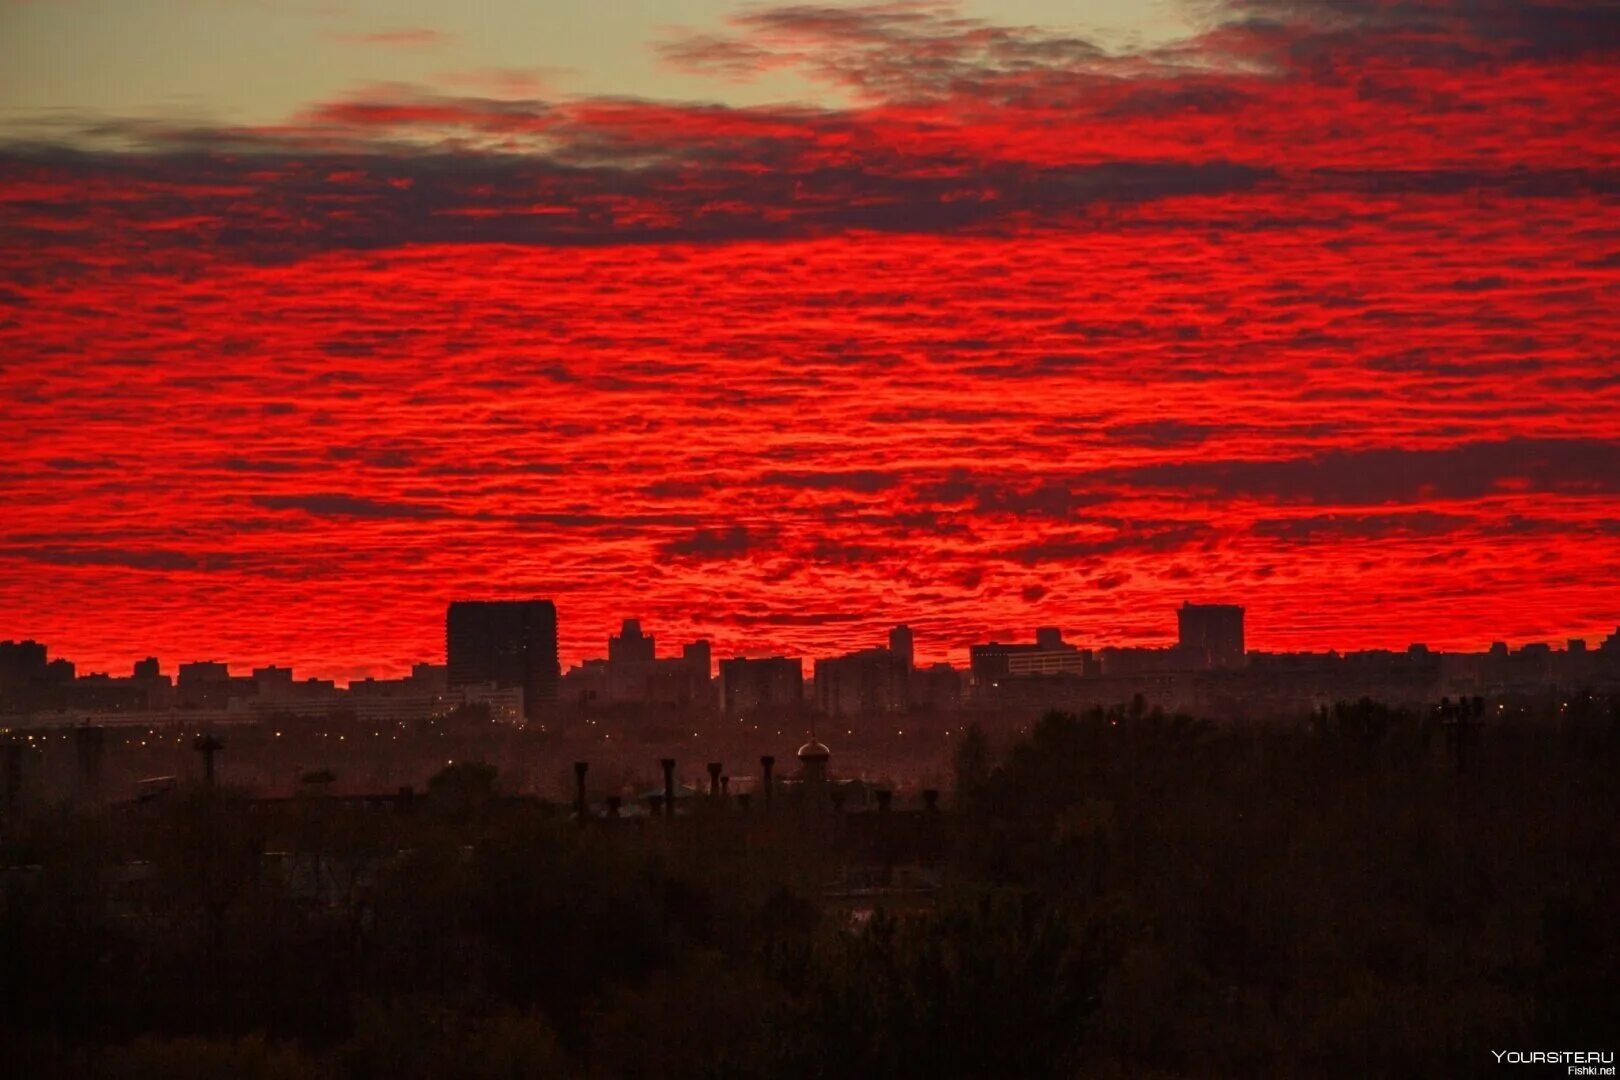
x=1316, y=313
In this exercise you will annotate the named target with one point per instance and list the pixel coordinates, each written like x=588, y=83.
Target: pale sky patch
x=259, y=62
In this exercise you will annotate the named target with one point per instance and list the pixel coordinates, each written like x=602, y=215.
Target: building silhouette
x=207, y=684
x=1211, y=635
x=633, y=674
x=698, y=657
x=903, y=646
x=507, y=644
x=813, y=757
x=860, y=683
x=630, y=645
x=995, y=661
x=749, y=686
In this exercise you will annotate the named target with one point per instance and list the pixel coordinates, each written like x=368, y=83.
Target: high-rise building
x=204, y=671
x=859, y=684
x=903, y=657
x=1211, y=635
x=505, y=643
x=207, y=684
x=631, y=663
x=749, y=686
x=273, y=679
x=429, y=678
x=630, y=645
x=22, y=663
x=699, y=658
x=938, y=686
x=994, y=661
x=903, y=646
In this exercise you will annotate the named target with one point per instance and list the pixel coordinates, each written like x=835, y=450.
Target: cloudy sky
x=258, y=61
x=777, y=324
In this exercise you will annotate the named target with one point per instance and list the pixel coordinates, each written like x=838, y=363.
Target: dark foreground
x=1121, y=894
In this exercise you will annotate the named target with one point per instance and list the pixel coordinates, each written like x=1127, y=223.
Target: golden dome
x=814, y=751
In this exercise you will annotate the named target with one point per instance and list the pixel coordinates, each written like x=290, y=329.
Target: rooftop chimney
x=14, y=752
x=89, y=744
x=766, y=764
x=714, y=779
x=208, y=745
x=668, y=765
x=580, y=769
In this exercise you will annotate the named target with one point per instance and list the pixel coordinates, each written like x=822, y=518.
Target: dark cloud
x=717, y=55
x=1436, y=32
x=126, y=558
x=1389, y=475
x=1160, y=434
x=1054, y=499
x=864, y=481
x=67, y=464
x=585, y=519
x=1363, y=526
x=396, y=165
x=1149, y=538
x=1202, y=96
x=910, y=52
x=244, y=202
x=1553, y=182
x=894, y=52
x=788, y=618
x=261, y=466
x=727, y=543
x=349, y=506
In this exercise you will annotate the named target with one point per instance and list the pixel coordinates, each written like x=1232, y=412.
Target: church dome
x=814, y=751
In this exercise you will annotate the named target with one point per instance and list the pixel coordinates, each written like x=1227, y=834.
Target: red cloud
x=1314, y=310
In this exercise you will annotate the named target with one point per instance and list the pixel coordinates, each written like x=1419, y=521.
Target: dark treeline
x=1123, y=893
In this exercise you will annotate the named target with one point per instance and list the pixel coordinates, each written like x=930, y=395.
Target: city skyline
x=676, y=648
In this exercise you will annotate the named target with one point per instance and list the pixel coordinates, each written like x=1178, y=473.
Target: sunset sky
x=777, y=325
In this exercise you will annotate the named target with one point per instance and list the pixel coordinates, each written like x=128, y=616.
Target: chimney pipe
x=580, y=769
x=14, y=752
x=668, y=765
x=767, y=763
x=208, y=746
x=714, y=779
x=88, y=742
